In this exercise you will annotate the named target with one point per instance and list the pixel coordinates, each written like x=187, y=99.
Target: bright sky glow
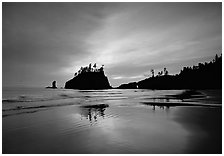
x=43, y=42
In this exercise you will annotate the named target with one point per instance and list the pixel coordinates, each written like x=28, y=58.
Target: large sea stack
x=89, y=78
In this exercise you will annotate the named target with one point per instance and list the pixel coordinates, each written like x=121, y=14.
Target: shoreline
x=126, y=123
x=201, y=137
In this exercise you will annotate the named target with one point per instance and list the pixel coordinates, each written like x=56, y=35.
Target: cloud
x=46, y=36
x=53, y=40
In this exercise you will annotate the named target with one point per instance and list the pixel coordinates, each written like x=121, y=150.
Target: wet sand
x=205, y=127
x=110, y=128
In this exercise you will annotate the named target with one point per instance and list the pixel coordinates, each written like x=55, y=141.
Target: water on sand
x=110, y=121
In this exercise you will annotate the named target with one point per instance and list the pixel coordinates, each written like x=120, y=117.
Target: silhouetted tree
x=90, y=67
x=94, y=66
x=75, y=74
x=165, y=71
x=101, y=68
x=160, y=73
x=216, y=58
x=152, y=71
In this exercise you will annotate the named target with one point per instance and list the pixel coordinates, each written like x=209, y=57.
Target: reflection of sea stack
x=89, y=78
x=53, y=85
x=91, y=112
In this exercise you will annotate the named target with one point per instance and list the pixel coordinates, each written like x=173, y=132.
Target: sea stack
x=89, y=78
x=53, y=85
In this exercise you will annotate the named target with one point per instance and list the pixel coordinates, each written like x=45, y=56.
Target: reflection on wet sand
x=92, y=112
x=205, y=127
x=161, y=107
x=154, y=122
x=161, y=100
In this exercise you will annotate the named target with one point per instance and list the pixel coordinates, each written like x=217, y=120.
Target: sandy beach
x=115, y=126
x=112, y=78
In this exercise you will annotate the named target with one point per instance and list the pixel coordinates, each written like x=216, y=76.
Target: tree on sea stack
x=89, y=77
x=152, y=71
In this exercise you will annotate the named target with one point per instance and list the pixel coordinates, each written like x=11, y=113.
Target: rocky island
x=89, y=78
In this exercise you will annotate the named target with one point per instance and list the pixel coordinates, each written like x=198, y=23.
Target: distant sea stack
x=89, y=78
x=53, y=85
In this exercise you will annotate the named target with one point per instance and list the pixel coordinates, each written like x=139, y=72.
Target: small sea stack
x=54, y=86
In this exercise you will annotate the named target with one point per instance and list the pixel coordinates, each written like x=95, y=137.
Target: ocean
x=39, y=120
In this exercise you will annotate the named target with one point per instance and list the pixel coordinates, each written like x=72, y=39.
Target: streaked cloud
x=50, y=41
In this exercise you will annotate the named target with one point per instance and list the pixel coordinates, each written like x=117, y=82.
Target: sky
x=42, y=42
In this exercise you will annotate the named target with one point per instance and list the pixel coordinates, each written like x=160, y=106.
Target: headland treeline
x=206, y=75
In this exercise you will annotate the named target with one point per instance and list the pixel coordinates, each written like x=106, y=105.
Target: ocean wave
x=36, y=107
x=17, y=110
x=58, y=97
x=15, y=100
x=32, y=109
x=37, y=99
x=55, y=105
x=18, y=113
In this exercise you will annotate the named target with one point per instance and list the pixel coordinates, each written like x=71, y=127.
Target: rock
x=53, y=85
x=89, y=79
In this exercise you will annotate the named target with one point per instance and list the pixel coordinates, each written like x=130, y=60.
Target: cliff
x=89, y=79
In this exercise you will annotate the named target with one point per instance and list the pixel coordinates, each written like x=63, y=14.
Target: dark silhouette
x=203, y=76
x=160, y=73
x=165, y=71
x=53, y=85
x=92, y=112
x=89, y=78
x=152, y=71
x=188, y=94
x=131, y=85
